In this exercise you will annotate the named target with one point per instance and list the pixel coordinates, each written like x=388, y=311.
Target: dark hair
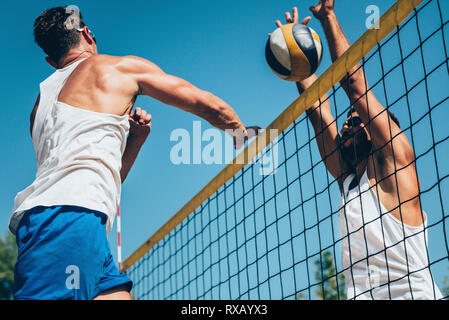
x=52, y=34
x=391, y=114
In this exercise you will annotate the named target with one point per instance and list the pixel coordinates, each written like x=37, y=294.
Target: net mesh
x=277, y=236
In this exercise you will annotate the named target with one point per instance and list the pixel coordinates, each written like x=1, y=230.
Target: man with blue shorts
x=86, y=137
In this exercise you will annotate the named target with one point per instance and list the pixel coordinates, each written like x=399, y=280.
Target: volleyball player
x=80, y=126
x=382, y=224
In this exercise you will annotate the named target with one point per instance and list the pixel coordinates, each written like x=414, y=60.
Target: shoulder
x=102, y=60
x=134, y=64
x=121, y=63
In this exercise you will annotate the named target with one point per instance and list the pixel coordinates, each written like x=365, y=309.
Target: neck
x=360, y=168
x=73, y=56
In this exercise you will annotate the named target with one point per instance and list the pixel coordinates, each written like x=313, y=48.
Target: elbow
x=354, y=86
x=409, y=156
x=403, y=157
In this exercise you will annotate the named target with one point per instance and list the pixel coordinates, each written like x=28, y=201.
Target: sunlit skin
x=115, y=83
x=390, y=164
x=109, y=84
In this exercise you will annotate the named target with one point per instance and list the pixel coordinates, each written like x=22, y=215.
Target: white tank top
x=374, y=257
x=78, y=155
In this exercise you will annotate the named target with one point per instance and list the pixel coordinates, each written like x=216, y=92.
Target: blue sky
x=217, y=46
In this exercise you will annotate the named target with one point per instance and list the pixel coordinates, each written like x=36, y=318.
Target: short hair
x=391, y=114
x=52, y=35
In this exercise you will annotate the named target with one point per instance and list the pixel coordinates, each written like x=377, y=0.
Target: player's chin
x=346, y=142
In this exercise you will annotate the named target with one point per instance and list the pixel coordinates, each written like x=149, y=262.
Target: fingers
x=141, y=116
x=148, y=119
x=241, y=136
x=136, y=114
x=288, y=17
x=295, y=18
x=252, y=132
x=306, y=20
x=295, y=15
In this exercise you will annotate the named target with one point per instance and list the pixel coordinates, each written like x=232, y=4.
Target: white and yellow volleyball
x=294, y=52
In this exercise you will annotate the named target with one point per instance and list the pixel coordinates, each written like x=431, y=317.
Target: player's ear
x=51, y=62
x=88, y=35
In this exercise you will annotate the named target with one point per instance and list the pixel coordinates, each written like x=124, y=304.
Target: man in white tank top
x=382, y=224
x=86, y=138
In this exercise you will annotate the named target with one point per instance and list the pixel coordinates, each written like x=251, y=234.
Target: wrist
x=303, y=85
x=313, y=111
x=328, y=18
x=138, y=136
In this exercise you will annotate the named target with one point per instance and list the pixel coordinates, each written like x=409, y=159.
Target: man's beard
x=358, y=150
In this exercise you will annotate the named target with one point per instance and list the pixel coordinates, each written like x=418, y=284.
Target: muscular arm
x=174, y=91
x=323, y=122
x=385, y=134
x=326, y=132
x=140, y=127
x=133, y=145
x=396, y=181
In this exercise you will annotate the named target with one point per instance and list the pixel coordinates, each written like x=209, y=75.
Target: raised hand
x=240, y=138
x=322, y=9
x=294, y=19
x=140, y=123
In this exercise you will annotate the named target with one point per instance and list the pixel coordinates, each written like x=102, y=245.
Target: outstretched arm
x=174, y=91
x=322, y=120
x=385, y=134
x=326, y=132
x=395, y=171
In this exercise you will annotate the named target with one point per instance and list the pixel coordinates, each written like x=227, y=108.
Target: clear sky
x=216, y=45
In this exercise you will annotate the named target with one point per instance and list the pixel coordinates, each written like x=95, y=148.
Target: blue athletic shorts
x=63, y=253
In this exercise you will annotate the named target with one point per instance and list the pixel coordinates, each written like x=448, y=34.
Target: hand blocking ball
x=294, y=52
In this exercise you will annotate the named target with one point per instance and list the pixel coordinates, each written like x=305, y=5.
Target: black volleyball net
x=277, y=234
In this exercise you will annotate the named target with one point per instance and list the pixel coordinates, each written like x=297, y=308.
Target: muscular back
x=99, y=84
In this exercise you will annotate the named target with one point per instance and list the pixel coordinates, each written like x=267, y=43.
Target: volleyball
x=294, y=52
